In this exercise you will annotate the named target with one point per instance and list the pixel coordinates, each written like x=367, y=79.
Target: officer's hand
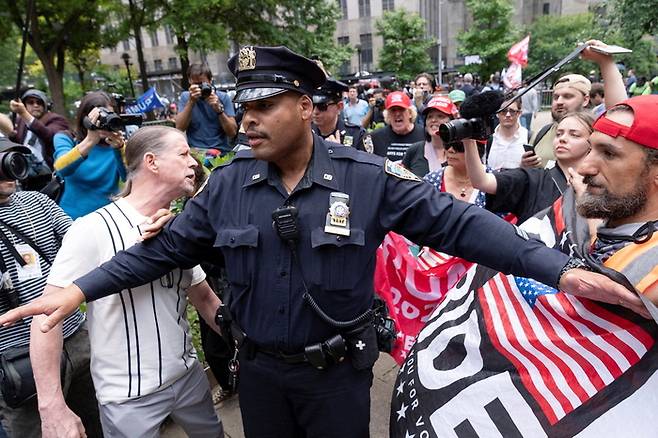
x=215, y=104
x=335, y=137
x=195, y=93
x=18, y=107
x=57, y=306
x=530, y=159
x=598, y=287
x=154, y=224
x=59, y=421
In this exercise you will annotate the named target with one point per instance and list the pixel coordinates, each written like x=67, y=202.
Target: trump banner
x=145, y=103
x=518, y=57
x=506, y=356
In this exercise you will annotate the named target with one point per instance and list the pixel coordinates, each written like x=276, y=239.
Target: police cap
x=267, y=71
x=330, y=92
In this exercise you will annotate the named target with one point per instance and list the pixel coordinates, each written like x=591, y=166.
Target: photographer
x=31, y=230
x=36, y=126
x=207, y=115
x=89, y=160
x=375, y=114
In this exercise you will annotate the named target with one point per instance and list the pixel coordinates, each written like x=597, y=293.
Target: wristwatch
x=221, y=109
x=573, y=263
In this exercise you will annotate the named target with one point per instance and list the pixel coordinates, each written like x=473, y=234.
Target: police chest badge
x=338, y=217
x=247, y=58
x=399, y=171
x=348, y=140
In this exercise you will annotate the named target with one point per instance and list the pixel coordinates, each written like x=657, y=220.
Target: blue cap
x=267, y=71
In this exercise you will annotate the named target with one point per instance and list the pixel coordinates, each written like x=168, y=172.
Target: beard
x=612, y=207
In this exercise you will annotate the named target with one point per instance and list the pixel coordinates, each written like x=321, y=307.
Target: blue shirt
x=231, y=218
x=355, y=113
x=90, y=182
x=204, y=130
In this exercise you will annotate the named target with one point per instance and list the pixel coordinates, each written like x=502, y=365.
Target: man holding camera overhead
x=207, y=115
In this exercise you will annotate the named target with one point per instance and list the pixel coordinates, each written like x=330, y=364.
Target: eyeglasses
x=457, y=146
x=322, y=107
x=511, y=112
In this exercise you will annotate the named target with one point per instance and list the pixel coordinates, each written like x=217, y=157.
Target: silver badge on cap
x=338, y=217
x=247, y=58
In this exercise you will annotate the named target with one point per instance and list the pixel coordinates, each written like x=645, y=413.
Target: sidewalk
x=385, y=372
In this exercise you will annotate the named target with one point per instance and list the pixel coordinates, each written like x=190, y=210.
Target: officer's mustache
x=251, y=133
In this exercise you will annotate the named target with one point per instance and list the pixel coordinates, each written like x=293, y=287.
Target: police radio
x=285, y=223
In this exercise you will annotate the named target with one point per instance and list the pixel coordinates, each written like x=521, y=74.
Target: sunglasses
x=322, y=107
x=457, y=146
x=511, y=112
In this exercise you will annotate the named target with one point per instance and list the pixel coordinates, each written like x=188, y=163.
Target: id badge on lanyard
x=32, y=267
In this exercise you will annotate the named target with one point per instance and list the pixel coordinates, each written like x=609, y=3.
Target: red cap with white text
x=397, y=98
x=643, y=131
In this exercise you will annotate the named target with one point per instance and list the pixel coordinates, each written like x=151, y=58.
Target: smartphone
x=529, y=148
x=610, y=50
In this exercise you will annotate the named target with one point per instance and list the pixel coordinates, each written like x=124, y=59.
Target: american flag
x=565, y=349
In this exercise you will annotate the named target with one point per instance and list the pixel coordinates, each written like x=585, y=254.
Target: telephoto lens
x=13, y=166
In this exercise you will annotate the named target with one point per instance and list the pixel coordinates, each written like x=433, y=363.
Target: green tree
x=490, y=35
x=406, y=46
x=635, y=18
x=55, y=25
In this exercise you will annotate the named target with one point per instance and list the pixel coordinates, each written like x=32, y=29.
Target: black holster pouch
x=329, y=352
x=362, y=346
x=17, y=381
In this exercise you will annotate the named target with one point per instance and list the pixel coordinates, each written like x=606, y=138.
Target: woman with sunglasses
x=526, y=191
x=454, y=178
x=429, y=155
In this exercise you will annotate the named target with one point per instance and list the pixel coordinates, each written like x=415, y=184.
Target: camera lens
x=13, y=165
x=457, y=130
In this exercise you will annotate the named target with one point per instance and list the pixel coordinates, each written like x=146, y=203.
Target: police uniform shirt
x=231, y=216
x=350, y=135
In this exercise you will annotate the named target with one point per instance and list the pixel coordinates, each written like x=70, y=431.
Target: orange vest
x=638, y=262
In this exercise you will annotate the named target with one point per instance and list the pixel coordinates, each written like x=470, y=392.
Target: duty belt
x=320, y=355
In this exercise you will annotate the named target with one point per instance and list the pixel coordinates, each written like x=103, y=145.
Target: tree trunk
x=138, y=46
x=55, y=84
x=184, y=59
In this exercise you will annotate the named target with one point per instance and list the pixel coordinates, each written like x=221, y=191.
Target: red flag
x=519, y=52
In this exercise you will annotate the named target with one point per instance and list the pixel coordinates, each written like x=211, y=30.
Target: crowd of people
x=277, y=248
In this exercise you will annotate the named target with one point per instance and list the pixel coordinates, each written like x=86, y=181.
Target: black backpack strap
x=542, y=132
x=25, y=239
x=487, y=148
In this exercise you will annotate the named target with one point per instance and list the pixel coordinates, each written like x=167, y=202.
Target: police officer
x=327, y=123
x=299, y=235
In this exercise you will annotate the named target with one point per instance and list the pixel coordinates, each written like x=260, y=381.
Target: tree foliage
x=635, y=18
x=406, y=46
x=490, y=35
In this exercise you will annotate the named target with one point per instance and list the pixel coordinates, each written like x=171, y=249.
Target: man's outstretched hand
x=56, y=306
x=598, y=287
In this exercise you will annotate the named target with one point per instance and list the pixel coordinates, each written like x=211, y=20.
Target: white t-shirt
x=140, y=339
x=507, y=153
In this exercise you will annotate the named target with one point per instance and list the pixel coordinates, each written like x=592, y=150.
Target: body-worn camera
x=13, y=165
x=459, y=129
x=111, y=121
x=206, y=89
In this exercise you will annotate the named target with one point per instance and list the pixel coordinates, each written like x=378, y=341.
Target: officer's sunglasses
x=322, y=107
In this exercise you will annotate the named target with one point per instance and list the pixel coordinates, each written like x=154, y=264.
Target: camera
x=459, y=129
x=111, y=121
x=13, y=165
x=206, y=89
x=379, y=102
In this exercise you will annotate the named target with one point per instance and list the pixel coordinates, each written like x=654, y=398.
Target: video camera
x=379, y=103
x=13, y=166
x=111, y=121
x=477, y=122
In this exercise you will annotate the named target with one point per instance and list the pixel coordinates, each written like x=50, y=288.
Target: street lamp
x=439, y=69
x=358, y=54
x=126, y=60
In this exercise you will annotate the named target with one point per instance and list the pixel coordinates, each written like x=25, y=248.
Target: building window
x=342, y=4
x=169, y=35
x=546, y=8
x=344, y=68
x=154, y=39
x=173, y=63
x=366, y=50
x=388, y=5
x=364, y=8
x=126, y=45
x=157, y=65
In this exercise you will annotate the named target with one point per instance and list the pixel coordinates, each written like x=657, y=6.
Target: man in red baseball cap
x=401, y=130
x=621, y=174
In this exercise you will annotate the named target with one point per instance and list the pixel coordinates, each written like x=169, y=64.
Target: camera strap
x=24, y=238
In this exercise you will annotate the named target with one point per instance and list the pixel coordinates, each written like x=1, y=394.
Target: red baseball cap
x=643, y=131
x=397, y=98
x=443, y=104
